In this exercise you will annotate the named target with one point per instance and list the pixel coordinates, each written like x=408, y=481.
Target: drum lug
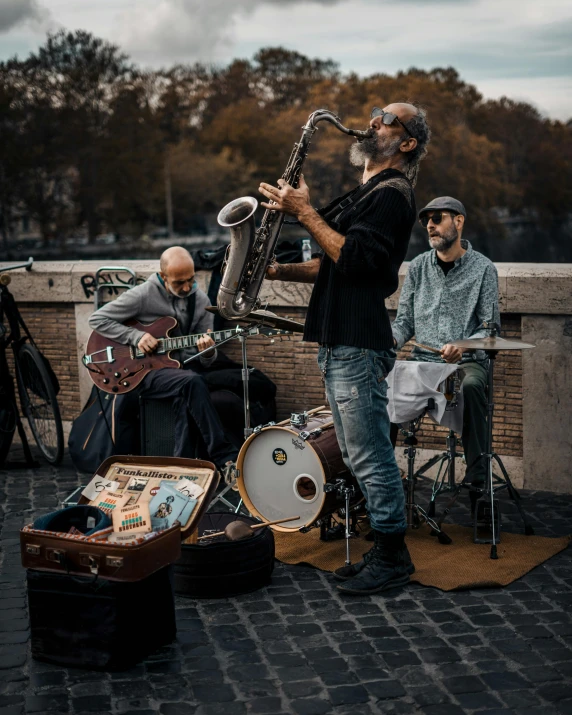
x=314, y=433
x=259, y=428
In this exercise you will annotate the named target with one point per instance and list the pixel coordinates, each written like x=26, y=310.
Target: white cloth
x=410, y=384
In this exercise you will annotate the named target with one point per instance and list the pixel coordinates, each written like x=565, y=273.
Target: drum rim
x=240, y=479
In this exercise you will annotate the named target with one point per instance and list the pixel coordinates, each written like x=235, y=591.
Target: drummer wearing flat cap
x=449, y=292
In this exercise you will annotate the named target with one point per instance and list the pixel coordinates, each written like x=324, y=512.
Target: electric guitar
x=118, y=368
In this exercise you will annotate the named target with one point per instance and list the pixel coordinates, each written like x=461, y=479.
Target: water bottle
x=306, y=250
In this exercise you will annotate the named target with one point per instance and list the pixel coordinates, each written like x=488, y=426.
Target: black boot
x=385, y=568
x=344, y=573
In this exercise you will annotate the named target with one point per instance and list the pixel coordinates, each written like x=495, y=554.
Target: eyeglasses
x=437, y=217
x=388, y=118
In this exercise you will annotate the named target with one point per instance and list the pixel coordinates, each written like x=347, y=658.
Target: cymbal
x=492, y=344
x=266, y=317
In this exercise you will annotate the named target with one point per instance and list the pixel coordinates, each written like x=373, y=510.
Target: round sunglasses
x=437, y=217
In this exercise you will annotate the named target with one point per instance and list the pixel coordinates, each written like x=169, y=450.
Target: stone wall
x=533, y=390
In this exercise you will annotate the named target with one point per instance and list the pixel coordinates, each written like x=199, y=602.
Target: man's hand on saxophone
x=287, y=199
x=296, y=202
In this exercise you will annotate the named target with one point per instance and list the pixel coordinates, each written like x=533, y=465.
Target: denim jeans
x=357, y=393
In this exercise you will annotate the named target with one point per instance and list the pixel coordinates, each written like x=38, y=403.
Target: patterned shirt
x=438, y=309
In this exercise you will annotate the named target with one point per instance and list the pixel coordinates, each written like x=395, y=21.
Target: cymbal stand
x=487, y=499
x=242, y=335
x=415, y=512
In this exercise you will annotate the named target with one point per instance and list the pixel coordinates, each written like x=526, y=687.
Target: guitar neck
x=188, y=341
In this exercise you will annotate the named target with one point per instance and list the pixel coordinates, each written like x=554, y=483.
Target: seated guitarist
x=173, y=291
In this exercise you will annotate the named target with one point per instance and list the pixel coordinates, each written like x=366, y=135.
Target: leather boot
x=385, y=568
x=349, y=571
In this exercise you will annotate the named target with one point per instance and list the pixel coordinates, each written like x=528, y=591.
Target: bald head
x=177, y=270
x=175, y=256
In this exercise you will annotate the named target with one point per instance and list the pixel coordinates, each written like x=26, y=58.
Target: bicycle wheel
x=39, y=403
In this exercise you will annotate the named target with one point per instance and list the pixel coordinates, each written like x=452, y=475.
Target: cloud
x=17, y=12
x=190, y=29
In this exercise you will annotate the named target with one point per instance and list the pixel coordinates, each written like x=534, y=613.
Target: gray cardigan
x=148, y=302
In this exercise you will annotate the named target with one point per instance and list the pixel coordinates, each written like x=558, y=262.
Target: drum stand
x=415, y=512
x=347, y=492
x=486, y=504
x=445, y=479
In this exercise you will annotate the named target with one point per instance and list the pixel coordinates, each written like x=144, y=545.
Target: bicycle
x=37, y=385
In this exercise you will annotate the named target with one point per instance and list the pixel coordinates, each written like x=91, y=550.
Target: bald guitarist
x=173, y=291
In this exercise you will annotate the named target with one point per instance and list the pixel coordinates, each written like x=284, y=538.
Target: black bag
x=108, y=425
x=97, y=624
x=223, y=568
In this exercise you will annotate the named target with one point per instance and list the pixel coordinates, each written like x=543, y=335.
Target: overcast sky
x=519, y=48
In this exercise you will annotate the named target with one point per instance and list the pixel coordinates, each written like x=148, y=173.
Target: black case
x=93, y=623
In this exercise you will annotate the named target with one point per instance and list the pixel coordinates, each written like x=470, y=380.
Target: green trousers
x=474, y=435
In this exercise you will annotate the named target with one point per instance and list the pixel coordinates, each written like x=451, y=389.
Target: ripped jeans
x=357, y=393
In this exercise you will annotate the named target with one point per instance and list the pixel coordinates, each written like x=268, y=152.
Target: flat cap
x=445, y=203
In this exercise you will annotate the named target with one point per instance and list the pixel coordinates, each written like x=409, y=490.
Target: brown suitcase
x=83, y=556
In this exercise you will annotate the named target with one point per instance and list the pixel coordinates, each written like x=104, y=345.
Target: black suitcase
x=99, y=624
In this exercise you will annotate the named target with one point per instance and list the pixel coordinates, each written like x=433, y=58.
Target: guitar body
x=115, y=368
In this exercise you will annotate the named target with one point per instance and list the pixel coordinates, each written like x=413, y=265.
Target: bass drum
x=283, y=470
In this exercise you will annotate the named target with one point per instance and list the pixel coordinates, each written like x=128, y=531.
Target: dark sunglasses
x=389, y=118
x=436, y=218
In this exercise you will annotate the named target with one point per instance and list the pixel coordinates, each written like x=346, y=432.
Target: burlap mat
x=451, y=567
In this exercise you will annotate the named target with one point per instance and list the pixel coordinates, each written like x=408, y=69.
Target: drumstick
x=256, y=526
x=426, y=347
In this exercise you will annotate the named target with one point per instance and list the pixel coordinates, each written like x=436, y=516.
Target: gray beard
x=372, y=150
x=443, y=243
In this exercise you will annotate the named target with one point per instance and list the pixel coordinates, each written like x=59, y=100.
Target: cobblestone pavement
x=299, y=647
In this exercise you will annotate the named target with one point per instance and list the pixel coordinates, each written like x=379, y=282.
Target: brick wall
x=52, y=326
x=291, y=364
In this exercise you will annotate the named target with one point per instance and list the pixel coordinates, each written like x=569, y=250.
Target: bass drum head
x=281, y=476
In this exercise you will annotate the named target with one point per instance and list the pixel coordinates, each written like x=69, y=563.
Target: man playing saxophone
x=364, y=237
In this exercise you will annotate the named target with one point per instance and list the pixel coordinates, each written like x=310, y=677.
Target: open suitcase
x=102, y=605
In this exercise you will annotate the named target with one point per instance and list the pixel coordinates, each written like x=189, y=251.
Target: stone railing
x=534, y=404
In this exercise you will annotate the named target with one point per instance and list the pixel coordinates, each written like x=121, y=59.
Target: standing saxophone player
x=364, y=237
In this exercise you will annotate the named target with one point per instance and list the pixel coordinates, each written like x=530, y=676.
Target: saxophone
x=251, y=250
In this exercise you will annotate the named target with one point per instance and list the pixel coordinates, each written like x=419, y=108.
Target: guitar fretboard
x=188, y=341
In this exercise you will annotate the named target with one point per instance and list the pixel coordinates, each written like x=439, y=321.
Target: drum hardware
x=314, y=433
x=445, y=480
x=486, y=502
x=347, y=491
x=259, y=428
x=299, y=419
x=415, y=512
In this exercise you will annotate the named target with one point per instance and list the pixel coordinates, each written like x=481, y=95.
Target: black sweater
x=347, y=306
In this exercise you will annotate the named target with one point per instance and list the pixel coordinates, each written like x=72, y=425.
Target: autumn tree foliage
x=89, y=138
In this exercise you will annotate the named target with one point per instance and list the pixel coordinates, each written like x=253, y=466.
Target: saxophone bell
x=238, y=216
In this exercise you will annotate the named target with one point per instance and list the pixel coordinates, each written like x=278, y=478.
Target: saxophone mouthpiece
x=366, y=135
